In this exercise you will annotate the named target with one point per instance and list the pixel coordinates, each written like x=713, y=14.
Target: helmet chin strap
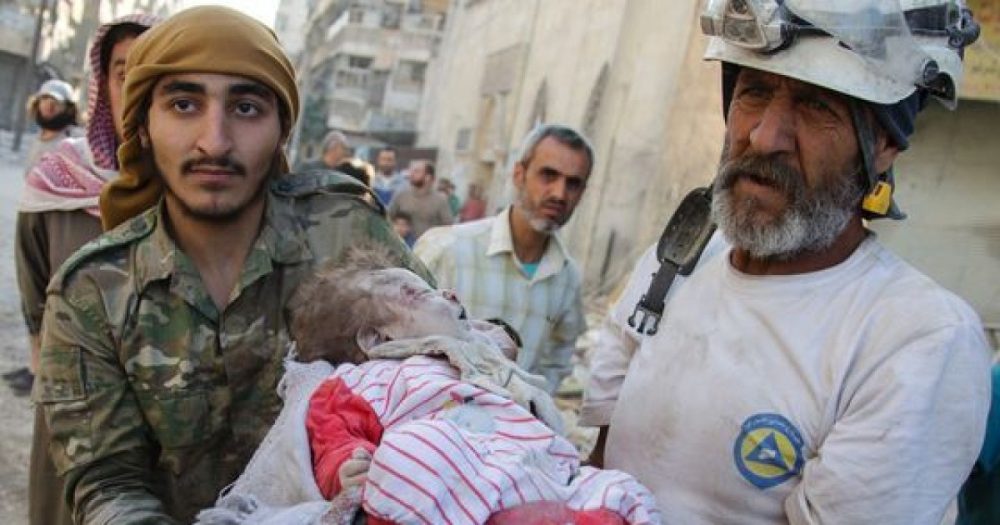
x=878, y=202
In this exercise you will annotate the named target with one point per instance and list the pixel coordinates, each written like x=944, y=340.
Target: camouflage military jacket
x=156, y=400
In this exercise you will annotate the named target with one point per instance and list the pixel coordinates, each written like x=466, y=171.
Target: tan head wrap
x=208, y=39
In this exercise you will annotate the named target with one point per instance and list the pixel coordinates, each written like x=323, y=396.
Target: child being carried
x=425, y=420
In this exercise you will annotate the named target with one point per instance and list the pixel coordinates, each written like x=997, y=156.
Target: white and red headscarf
x=71, y=176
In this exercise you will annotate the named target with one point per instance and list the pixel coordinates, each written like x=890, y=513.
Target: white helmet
x=890, y=54
x=880, y=51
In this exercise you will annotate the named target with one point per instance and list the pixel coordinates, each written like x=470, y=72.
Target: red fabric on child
x=448, y=451
x=338, y=422
x=551, y=512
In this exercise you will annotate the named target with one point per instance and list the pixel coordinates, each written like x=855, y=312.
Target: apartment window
x=463, y=140
x=411, y=72
x=359, y=62
x=391, y=16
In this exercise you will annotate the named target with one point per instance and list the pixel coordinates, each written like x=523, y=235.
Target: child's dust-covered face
x=421, y=310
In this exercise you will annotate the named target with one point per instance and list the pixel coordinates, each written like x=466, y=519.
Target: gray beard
x=541, y=225
x=812, y=221
x=537, y=223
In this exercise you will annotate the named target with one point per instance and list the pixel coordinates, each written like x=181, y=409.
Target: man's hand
x=354, y=471
x=596, y=458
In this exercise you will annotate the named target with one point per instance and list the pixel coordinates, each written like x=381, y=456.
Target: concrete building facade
x=290, y=25
x=17, y=26
x=363, y=69
x=630, y=74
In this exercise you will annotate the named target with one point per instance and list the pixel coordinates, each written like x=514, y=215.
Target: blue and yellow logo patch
x=768, y=450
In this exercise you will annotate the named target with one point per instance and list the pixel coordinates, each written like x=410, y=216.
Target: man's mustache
x=554, y=203
x=762, y=169
x=221, y=163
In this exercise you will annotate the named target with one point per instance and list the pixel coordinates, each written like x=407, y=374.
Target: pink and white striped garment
x=454, y=453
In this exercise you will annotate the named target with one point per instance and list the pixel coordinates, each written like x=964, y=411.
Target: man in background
x=403, y=225
x=447, y=187
x=513, y=266
x=335, y=151
x=474, y=207
x=387, y=180
x=426, y=207
x=53, y=109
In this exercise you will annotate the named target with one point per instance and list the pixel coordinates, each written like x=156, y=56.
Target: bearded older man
x=804, y=374
x=513, y=266
x=163, y=340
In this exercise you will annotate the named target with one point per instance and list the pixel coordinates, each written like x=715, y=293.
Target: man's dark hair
x=402, y=215
x=114, y=35
x=429, y=166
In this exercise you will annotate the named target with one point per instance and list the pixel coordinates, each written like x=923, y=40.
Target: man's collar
x=502, y=241
x=282, y=239
x=156, y=255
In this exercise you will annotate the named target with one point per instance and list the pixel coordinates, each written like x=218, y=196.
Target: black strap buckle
x=649, y=317
x=651, y=304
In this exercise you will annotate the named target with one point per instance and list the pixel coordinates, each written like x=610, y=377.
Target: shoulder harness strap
x=680, y=246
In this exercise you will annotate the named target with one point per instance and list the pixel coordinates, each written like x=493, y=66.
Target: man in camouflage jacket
x=160, y=362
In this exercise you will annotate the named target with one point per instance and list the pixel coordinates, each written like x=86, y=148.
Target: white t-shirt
x=856, y=394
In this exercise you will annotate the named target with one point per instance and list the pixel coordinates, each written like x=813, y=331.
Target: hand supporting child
x=354, y=471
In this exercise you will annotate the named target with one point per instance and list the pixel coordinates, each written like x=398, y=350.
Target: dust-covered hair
x=329, y=310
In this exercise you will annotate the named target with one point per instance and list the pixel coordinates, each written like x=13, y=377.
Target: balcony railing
x=381, y=121
x=422, y=22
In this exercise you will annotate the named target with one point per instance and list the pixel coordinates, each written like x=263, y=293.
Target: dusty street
x=15, y=412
